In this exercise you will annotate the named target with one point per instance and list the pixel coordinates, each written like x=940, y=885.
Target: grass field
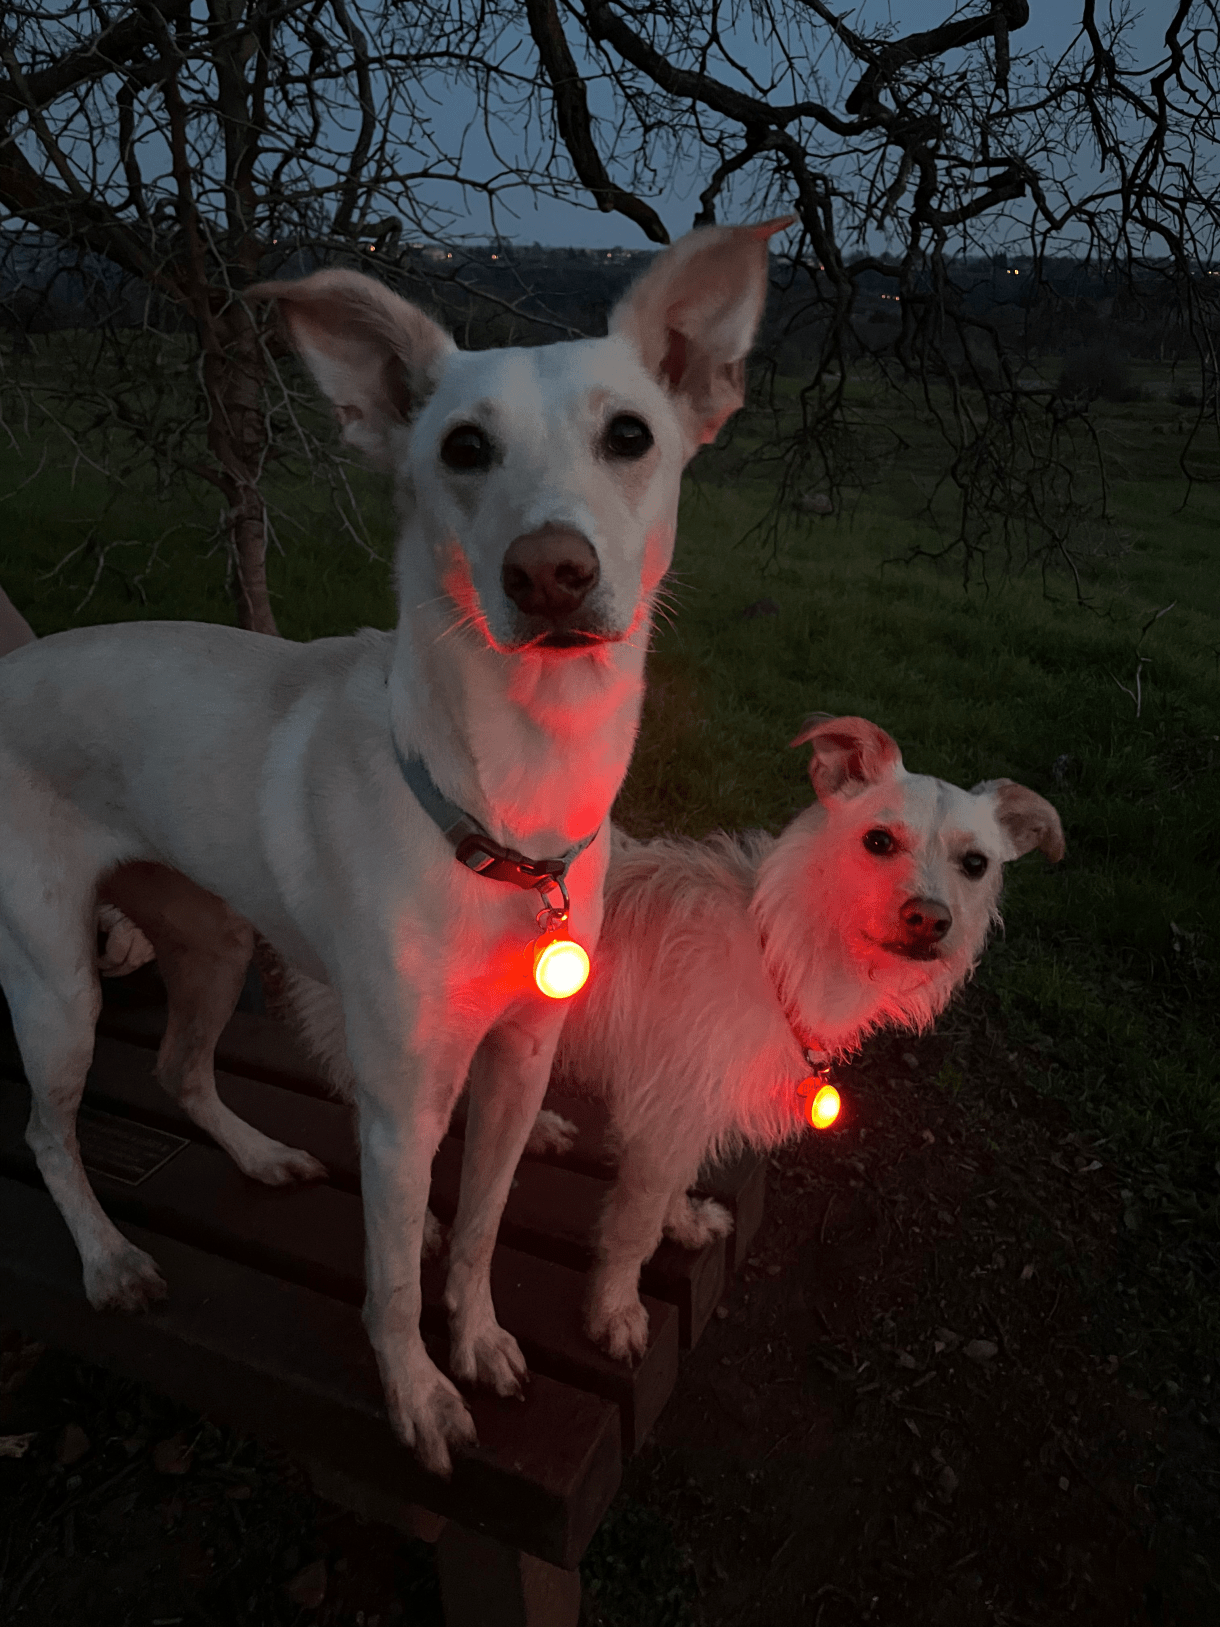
x=1107, y=974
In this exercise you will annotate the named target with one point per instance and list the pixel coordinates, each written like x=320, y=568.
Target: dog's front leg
x=508, y=1080
x=651, y=1174
x=404, y=1106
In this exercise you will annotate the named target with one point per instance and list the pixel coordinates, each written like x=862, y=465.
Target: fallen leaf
x=308, y=1586
x=905, y=1359
x=913, y=1427
x=1027, y=1272
x=1064, y=1483
x=15, y=1446
x=980, y=1350
x=172, y=1456
x=928, y=1139
x=946, y=1484
x=73, y=1445
x=949, y=1339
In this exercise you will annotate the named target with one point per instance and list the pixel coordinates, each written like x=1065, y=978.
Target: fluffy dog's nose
x=549, y=572
x=926, y=918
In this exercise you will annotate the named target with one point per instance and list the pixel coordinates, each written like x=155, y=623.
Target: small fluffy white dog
x=204, y=780
x=722, y=962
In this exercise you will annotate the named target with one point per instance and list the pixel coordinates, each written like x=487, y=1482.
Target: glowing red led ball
x=561, y=967
x=822, y=1108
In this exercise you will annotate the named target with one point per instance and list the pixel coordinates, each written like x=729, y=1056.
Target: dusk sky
x=1053, y=25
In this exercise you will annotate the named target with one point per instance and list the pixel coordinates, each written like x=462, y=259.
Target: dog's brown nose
x=549, y=572
x=926, y=918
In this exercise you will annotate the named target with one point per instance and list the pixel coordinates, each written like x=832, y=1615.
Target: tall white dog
x=722, y=963
x=303, y=788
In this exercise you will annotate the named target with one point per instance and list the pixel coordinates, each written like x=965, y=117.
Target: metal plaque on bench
x=123, y=1149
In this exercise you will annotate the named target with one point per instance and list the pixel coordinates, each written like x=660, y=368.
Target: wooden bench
x=262, y=1330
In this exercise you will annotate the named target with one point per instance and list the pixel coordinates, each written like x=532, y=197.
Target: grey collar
x=473, y=847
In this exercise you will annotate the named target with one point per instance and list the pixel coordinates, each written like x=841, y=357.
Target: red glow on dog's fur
x=658, y=547
x=458, y=584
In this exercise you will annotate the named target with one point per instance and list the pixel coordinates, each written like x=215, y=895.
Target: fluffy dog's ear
x=374, y=355
x=693, y=315
x=849, y=754
x=1027, y=819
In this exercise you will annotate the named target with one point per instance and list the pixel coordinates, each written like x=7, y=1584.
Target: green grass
x=1107, y=972
x=80, y=550
x=1108, y=969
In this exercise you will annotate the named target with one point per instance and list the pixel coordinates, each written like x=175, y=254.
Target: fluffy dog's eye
x=627, y=436
x=879, y=841
x=466, y=447
x=975, y=865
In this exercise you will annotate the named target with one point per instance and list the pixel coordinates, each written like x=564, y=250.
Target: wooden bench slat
x=260, y=1048
x=314, y=1235
x=289, y=1364
x=552, y=1211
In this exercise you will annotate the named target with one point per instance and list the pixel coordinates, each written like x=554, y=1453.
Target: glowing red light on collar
x=561, y=967
x=821, y=1100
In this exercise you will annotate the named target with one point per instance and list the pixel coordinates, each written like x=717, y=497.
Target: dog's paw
x=123, y=1279
x=274, y=1164
x=429, y=1416
x=551, y=1133
x=126, y=949
x=696, y=1221
x=620, y=1329
x=491, y=1357
x=434, y=1236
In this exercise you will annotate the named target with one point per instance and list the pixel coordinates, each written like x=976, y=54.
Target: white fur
x=261, y=777
x=720, y=961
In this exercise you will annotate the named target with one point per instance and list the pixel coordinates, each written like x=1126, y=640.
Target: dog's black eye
x=466, y=447
x=627, y=436
x=975, y=865
x=879, y=841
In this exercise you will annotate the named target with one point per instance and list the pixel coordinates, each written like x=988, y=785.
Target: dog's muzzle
x=549, y=574
x=925, y=922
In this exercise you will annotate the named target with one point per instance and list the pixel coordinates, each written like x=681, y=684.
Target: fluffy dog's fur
x=721, y=961
x=203, y=780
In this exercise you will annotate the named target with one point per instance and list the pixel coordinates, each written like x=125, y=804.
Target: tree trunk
x=233, y=373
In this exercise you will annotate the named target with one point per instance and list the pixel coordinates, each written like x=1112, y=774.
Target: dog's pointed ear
x=693, y=315
x=1027, y=819
x=849, y=754
x=374, y=355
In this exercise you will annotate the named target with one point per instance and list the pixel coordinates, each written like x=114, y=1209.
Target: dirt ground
x=923, y=1402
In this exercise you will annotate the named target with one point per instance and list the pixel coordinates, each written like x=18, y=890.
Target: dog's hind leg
x=694, y=1222
x=53, y=995
x=203, y=949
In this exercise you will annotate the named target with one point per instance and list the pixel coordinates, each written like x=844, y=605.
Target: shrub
x=1099, y=371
